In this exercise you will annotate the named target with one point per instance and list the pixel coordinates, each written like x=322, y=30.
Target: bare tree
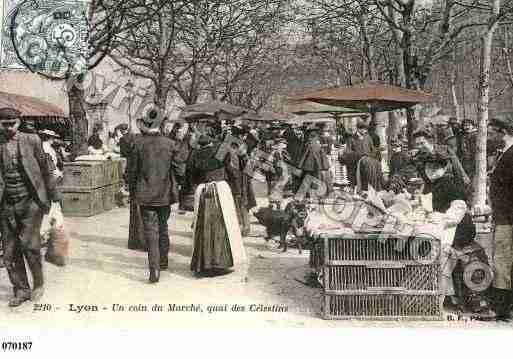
x=106, y=18
x=495, y=16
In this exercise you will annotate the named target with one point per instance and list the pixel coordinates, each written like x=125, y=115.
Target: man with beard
x=501, y=197
x=27, y=188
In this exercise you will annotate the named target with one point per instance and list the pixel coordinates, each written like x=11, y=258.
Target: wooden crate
x=84, y=175
x=77, y=203
x=366, y=277
x=92, y=174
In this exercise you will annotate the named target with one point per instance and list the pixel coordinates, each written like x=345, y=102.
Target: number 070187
x=16, y=346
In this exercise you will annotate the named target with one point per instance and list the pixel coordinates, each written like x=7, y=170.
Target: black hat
x=7, y=113
x=362, y=124
x=436, y=157
x=423, y=132
x=151, y=121
x=121, y=127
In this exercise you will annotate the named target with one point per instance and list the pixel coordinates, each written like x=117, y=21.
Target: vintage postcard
x=255, y=164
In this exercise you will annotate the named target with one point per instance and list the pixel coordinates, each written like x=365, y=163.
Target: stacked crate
x=366, y=277
x=89, y=187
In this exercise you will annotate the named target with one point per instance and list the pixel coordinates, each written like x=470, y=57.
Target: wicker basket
x=368, y=278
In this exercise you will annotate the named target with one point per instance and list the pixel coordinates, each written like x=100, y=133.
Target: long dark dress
x=212, y=252
x=211, y=244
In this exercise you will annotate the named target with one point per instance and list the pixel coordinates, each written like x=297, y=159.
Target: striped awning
x=30, y=106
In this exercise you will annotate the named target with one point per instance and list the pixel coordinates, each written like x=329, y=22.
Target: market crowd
x=170, y=162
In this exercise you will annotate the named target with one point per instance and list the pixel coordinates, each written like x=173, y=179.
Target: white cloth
x=230, y=218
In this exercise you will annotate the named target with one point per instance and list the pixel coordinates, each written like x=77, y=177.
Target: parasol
x=211, y=110
x=369, y=96
x=265, y=116
x=301, y=107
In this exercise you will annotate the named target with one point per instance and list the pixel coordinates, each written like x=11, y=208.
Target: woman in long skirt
x=212, y=253
x=217, y=237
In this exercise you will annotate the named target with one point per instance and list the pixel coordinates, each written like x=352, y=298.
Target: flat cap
x=7, y=113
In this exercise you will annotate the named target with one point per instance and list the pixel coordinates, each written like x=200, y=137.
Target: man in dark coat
x=468, y=148
x=27, y=188
x=357, y=145
x=361, y=142
x=295, y=149
x=501, y=198
x=399, y=158
x=153, y=183
x=315, y=163
x=245, y=200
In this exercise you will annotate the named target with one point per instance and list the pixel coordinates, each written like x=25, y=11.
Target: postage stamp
x=51, y=37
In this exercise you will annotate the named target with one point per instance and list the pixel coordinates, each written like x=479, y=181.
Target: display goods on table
x=368, y=273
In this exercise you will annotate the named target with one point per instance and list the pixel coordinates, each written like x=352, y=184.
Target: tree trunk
x=452, y=81
x=483, y=102
x=78, y=116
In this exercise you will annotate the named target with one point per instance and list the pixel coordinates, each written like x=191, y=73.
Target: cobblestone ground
x=103, y=275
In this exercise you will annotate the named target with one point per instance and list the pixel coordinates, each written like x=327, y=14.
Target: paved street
x=104, y=275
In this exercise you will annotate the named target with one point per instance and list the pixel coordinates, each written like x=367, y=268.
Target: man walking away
x=152, y=176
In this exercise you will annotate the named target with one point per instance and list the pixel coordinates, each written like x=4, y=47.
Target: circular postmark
x=50, y=37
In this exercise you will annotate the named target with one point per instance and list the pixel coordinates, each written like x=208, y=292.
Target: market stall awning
x=369, y=96
x=213, y=109
x=265, y=116
x=311, y=118
x=30, y=106
x=302, y=107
